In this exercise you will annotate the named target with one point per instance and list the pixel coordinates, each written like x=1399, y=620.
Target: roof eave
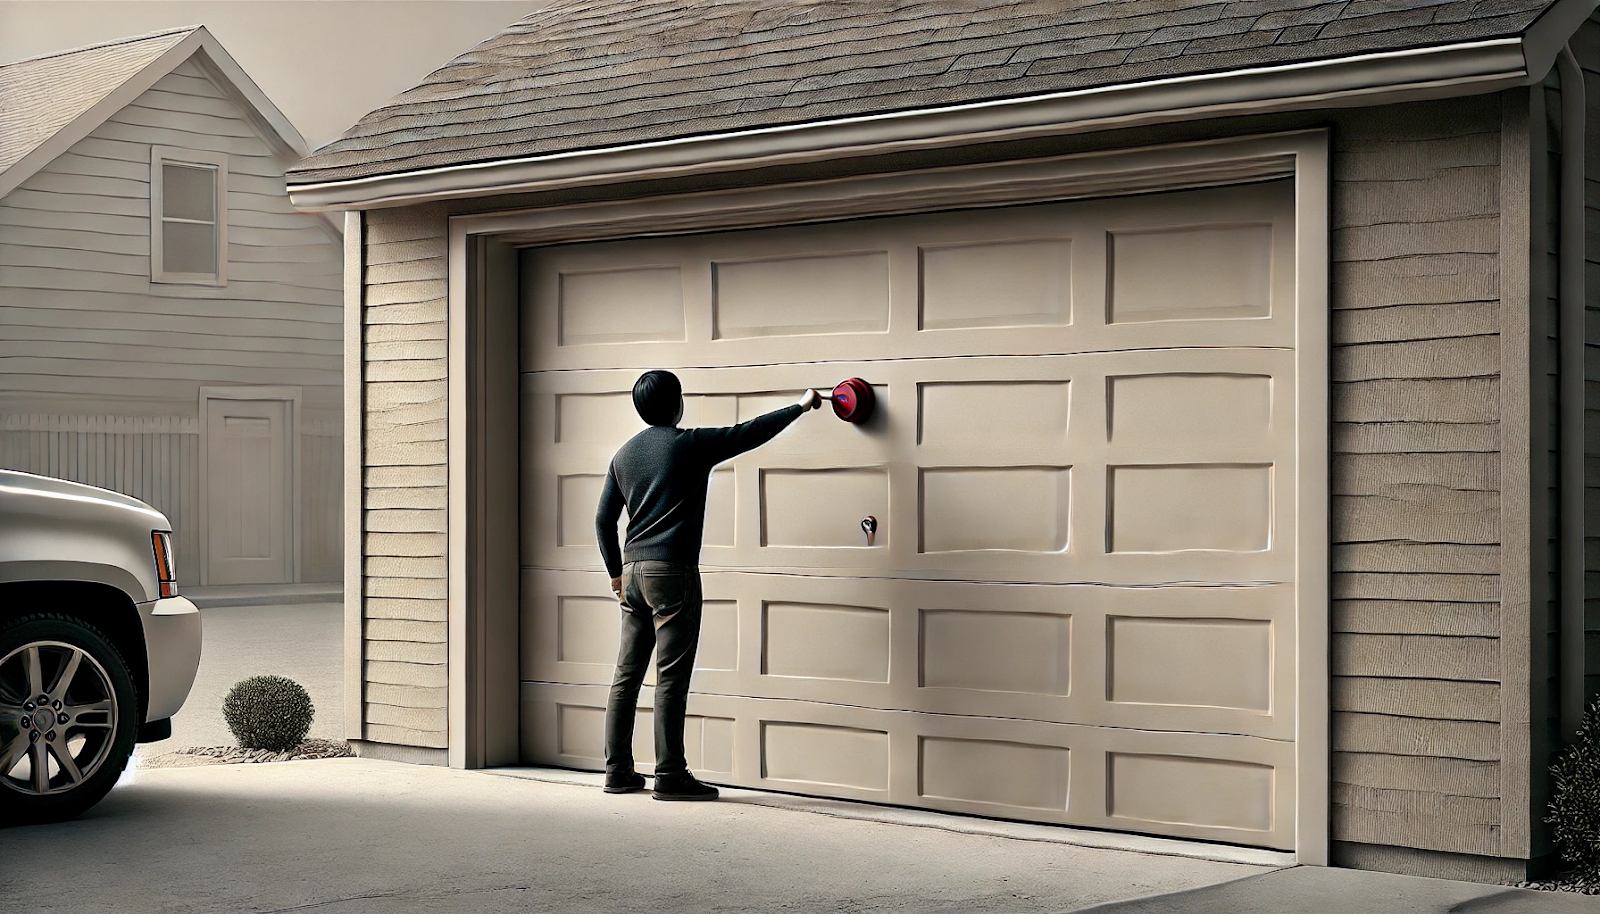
x=1388, y=77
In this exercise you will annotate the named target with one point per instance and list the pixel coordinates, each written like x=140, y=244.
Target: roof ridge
x=105, y=44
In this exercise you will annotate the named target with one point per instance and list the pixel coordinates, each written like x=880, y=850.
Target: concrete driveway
x=357, y=835
x=351, y=836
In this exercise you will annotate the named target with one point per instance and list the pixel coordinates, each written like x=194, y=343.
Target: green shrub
x=1575, y=811
x=268, y=712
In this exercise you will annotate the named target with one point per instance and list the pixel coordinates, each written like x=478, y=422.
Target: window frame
x=165, y=155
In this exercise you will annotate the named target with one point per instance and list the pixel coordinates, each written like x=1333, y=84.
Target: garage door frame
x=484, y=302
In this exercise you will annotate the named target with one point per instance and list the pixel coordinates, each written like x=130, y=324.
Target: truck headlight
x=166, y=571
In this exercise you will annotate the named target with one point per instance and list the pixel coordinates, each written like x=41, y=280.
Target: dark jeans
x=660, y=612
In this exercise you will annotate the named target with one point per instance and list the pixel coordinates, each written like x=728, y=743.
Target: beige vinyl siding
x=93, y=350
x=404, y=529
x=1416, y=477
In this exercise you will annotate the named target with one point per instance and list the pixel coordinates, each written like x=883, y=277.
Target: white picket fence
x=157, y=459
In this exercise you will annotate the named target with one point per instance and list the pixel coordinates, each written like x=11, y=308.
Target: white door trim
x=290, y=395
x=1301, y=154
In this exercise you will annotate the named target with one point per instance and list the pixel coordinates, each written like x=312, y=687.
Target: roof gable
x=581, y=75
x=54, y=100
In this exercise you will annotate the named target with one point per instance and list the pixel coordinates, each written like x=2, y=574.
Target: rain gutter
x=1570, y=398
x=1388, y=77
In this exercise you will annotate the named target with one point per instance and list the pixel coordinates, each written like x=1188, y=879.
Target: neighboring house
x=1215, y=346
x=169, y=324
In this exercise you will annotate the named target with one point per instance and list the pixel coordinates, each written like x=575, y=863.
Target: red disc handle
x=853, y=400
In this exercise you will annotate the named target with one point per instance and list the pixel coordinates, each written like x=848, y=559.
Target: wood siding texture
x=91, y=347
x=1415, y=473
x=404, y=523
x=1416, y=662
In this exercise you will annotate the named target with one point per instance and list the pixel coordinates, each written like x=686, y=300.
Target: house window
x=188, y=216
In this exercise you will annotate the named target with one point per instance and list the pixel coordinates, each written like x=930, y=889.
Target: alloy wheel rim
x=58, y=717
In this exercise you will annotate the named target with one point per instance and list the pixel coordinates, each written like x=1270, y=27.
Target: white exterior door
x=249, y=490
x=1079, y=605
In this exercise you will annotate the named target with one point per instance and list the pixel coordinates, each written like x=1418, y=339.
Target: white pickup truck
x=97, y=650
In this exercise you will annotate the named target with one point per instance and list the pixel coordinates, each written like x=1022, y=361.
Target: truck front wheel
x=68, y=718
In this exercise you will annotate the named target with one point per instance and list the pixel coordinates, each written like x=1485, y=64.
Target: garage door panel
x=986, y=413
x=826, y=293
x=1175, y=658
x=1206, y=268
x=570, y=626
x=821, y=508
x=625, y=305
x=1207, y=272
x=1215, y=408
x=1079, y=601
x=1204, y=786
x=996, y=284
x=1035, y=504
x=1219, y=663
x=1215, y=507
x=570, y=730
x=825, y=641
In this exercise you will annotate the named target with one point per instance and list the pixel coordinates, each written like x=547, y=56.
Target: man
x=661, y=475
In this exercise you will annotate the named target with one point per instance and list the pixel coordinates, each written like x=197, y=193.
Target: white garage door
x=1079, y=603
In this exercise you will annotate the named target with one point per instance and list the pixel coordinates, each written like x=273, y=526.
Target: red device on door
x=853, y=400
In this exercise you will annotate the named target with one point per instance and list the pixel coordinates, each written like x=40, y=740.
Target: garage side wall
x=404, y=627
x=1416, y=655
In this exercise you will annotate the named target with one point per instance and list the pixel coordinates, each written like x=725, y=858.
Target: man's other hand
x=616, y=588
x=810, y=400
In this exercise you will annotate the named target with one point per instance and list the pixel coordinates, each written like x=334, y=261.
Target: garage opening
x=1079, y=605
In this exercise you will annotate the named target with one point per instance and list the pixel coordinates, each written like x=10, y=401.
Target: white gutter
x=1365, y=79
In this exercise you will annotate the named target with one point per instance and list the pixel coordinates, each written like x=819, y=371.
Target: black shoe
x=682, y=787
x=624, y=782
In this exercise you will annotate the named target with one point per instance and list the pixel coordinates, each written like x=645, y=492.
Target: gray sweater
x=661, y=475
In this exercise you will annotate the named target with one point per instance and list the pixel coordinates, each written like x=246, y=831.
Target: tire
x=83, y=755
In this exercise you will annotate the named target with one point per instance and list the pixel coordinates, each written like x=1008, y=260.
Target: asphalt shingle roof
x=588, y=74
x=41, y=95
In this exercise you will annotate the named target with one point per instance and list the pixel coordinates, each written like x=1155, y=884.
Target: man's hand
x=616, y=588
x=810, y=400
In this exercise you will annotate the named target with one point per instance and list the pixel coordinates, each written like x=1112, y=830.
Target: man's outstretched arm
x=605, y=530
x=719, y=444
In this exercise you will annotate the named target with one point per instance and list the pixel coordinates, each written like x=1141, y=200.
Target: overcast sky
x=324, y=63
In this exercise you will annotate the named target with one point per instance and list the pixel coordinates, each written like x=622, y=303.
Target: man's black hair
x=656, y=396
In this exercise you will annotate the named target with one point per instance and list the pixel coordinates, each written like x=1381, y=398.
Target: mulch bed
x=1567, y=882
x=233, y=755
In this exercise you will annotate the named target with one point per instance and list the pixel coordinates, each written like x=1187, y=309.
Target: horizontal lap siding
x=101, y=369
x=1415, y=501
x=404, y=535
x=81, y=318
